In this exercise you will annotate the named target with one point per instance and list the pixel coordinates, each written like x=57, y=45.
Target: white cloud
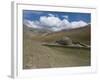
x=51, y=15
x=64, y=24
x=66, y=17
x=76, y=24
x=50, y=21
x=31, y=24
x=28, y=23
x=54, y=23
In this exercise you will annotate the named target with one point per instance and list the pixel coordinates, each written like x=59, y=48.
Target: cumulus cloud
x=33, y=24
x=50, y=21
x=64, y=24
x=76, y=24
x=54, y=23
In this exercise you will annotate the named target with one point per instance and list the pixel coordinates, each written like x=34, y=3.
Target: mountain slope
x=82, y=34
x=36, y=55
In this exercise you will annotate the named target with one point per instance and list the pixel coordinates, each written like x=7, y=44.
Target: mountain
x=35, y=30
x=82, y=34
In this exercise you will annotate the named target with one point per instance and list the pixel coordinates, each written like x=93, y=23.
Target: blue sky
x=72, y=16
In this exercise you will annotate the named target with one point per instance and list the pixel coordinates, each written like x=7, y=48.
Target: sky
x=55, y=20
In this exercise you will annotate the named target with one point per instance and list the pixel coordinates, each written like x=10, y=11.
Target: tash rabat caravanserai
x=56, y=39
